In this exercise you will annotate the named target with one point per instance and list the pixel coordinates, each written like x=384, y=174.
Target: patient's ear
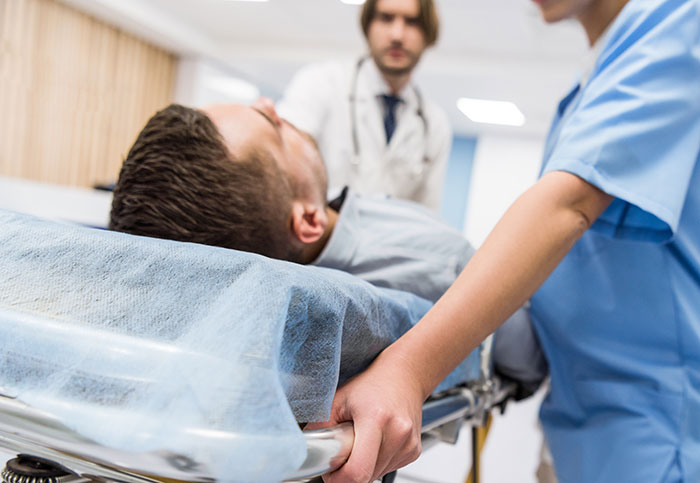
x=308, y=221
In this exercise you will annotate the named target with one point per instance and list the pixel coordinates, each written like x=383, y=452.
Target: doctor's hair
x=428, y=19
x=180, y=182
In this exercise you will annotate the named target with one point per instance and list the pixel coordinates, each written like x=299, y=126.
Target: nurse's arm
x=526, y=245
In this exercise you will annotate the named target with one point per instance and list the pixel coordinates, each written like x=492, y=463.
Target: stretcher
x=44, y=442
x=133, y=359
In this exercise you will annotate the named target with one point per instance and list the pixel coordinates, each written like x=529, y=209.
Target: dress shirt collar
x=377, y=86
x=343, y=242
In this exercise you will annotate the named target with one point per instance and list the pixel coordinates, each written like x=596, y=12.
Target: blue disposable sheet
x=150, y=345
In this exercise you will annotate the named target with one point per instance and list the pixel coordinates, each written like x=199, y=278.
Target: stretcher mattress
x=152, y=345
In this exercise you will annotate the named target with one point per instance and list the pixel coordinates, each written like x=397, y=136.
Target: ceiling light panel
x=503, y=113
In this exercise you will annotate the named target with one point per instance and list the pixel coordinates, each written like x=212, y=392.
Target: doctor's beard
x=389, y=70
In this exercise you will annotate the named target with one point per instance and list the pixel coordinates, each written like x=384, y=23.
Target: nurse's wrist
x=403, y=362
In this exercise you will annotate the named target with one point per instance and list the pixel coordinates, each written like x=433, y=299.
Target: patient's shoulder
x=385, y=213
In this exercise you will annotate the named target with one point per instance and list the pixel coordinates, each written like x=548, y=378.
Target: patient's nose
x=267, y=105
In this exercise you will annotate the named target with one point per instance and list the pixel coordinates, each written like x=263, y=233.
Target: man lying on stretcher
x=240, y=177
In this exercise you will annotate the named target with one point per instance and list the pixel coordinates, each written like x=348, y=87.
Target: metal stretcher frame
x=443, y=418
x=26, y=430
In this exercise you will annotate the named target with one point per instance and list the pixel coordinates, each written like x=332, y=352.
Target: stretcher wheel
x=32, y=469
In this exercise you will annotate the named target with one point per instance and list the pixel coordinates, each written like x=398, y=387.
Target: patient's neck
x=313, y=250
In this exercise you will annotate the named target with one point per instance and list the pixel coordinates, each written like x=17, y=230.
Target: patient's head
x=230, y=175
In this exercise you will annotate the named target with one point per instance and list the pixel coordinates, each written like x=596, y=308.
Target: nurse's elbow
x=591, y=207
x=585, y=214
x=581, y=221
x=582, y=201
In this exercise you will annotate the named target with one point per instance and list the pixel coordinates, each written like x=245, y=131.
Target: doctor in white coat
x=375, y=129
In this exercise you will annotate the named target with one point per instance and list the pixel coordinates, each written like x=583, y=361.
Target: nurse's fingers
x=386, y=416
x=383, y=443
x=360, y=466
x=401, y=445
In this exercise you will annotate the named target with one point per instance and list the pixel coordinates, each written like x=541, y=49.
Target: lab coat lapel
x=409, y=127
x=370, y=120
x=371, y=125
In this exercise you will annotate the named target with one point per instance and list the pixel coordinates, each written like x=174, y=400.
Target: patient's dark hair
x=180, y=182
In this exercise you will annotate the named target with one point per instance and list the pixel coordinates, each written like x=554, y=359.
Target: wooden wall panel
x=74, y=92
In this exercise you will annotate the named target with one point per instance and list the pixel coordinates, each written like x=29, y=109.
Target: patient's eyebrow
x=269, y=119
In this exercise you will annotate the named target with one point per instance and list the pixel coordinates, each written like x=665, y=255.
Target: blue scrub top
x=619, y=319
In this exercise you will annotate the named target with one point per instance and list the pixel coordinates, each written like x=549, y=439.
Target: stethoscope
x=355, y=161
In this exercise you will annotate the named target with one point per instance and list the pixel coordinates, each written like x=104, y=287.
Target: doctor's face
x=258, y=131
x=396, y=40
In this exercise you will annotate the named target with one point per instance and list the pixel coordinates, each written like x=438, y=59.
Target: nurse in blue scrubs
x=607, y=244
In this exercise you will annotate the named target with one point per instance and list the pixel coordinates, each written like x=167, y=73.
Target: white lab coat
x=411, y=167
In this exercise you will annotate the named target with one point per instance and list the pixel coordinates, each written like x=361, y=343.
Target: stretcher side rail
x=26, y=430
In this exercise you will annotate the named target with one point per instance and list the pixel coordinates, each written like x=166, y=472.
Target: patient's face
x=257, y=128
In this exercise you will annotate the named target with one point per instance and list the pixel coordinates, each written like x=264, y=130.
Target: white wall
x=200, y=82
x=56, y=202
x=504, y=167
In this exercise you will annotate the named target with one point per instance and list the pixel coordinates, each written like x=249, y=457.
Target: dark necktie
x=390, y=102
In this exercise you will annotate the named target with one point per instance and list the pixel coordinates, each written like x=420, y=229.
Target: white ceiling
x=490, y=49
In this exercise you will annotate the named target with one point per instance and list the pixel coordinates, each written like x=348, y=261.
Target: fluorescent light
x=353, y=2
x=491, y=112
x=248, y=0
